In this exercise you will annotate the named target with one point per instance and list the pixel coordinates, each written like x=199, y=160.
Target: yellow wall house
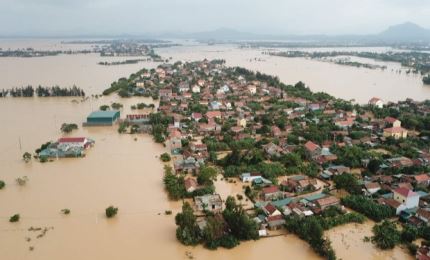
x=241, y=122
x=396, y=132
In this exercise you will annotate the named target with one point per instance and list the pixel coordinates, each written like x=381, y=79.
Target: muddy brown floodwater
x=120, y=170
x=347, y=241
x=117, y=171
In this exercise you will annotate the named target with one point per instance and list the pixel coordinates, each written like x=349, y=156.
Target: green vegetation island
x=43, y=91
x=131, y=61
x=306, y=162
x=109, y=48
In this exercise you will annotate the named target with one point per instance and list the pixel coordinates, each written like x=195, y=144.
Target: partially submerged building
x=67, y=147
x=102, y=118
x=211, y=202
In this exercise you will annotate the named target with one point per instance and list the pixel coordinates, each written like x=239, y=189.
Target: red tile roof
x=310, y=146
x=398, y=129
x=190, y=183
x=422, y=178
x=270, y=208
x=71, y=140
x=271, y=189
x=405, y=192
x=274, y=218
x=390, y=119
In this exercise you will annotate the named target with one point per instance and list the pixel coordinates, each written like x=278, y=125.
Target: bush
x=65, y=211
x=2, y=184
x=14, y=218
x=385, y=235
x=409, y=234
x=26, y=156
x=165, y=157
x=21, y=181
x=104, y=107
x=67, y=128
x=116, y=106
x=111, y=211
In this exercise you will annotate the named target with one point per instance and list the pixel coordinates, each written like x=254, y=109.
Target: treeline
x=131, y=61
x=368, y=207
x=42, y=91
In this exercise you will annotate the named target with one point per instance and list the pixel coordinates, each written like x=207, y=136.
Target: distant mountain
x=405, y=32
x=223, y=34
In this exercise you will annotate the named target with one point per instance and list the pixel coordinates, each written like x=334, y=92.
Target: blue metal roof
x=315, y=197
x=103, y=114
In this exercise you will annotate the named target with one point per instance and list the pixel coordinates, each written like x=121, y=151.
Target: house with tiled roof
x=271, y=193
x=190, y=184
x=422, y=179
x=407, y=198
x=312, y=149
x=395, y=132
x=326, y=202
x=271, y=210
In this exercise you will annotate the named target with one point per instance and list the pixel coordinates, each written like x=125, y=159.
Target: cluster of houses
x=206, y=100
x=67, y=147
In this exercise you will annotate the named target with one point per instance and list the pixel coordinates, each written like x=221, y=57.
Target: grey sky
x=260, y=16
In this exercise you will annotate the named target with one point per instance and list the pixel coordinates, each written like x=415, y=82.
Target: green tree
x=187, y=231
x=2, y=184
x=173, y=184
x=385, y=235
x=347, y=182
x=165, y=157
x=206, y=175
x=14, y=218
x=240, y=224
x=368, y=207
x=67, y=128
x=111, y=211
x=104, y=107
x=116, y=106
x=26, y=156
x=409, y=234
x=213, y=232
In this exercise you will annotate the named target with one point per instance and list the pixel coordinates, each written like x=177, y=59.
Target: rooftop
x=104, y=114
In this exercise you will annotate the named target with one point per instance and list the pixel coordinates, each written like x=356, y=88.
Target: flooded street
x=124, y=170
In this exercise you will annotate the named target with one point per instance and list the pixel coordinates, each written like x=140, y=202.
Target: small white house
x=252, y=89
x=195, y=89
x=372, y=187
x=249, y=177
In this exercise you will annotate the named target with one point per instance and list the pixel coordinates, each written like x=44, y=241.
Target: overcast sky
x=62, y=17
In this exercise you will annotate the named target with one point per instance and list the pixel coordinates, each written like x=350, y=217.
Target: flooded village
x=202, y=155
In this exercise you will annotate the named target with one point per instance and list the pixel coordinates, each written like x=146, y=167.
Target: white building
x=377, y=102
x=249, y=177
x=407, y=198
